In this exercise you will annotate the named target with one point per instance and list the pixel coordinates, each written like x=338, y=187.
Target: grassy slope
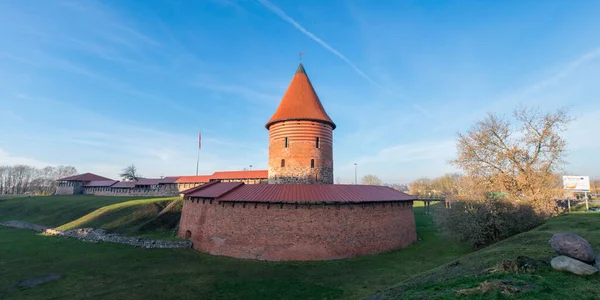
x=110, y=271
x=440, y=282
x=125, y=217
x=54, y=210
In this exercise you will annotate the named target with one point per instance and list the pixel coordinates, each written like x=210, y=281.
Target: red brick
x=297, y=232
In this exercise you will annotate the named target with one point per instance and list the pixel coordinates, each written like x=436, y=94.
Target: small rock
x=29, y=283
x=573, y=246
x=597, y=264
x=565, y=263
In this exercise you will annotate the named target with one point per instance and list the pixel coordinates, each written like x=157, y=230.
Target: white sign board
x=576, y=183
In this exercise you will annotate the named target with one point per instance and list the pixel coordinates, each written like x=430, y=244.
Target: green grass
x=581, y=206
x=473, y=269
x=54, y=210
x=112, y=271
x=125, y=217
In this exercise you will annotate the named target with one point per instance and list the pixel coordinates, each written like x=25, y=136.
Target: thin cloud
x=280, y=13
x=10, y=159
x=288, y=19
x=242, y=91
x=564, y=72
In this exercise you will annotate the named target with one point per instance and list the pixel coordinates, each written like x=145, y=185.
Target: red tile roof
x=300, y=102
x=250, y=174
x=193, y=179
x=85, y=177
x=100, y=183
x=212, y=190
x=151, y=181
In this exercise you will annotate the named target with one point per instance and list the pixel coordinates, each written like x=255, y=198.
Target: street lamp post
x=355, y=177
x=250, y=167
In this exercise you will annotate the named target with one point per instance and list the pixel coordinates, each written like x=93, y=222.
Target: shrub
x=480, y=223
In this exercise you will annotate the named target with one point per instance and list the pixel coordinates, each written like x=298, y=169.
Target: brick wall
x=134, y=192
x=300, y=151
x=302, y=232
x=65, y=190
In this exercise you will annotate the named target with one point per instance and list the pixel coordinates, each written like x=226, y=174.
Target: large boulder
x=572, y=245
x=565, y=263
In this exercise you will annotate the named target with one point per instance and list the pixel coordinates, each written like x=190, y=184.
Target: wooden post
x=587, y=207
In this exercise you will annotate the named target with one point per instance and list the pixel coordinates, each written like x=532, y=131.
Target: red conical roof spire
x=300, y=102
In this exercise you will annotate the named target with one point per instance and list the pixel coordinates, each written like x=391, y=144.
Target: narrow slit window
x=286, y=142
x=317, y=142
x=312, y=163
x=283, y=163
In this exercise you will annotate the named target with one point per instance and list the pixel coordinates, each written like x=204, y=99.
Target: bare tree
x=130, y=173
x=21, y=179
x=421, y=187
x=595, y=186
x=371, y=180
x=518, y=158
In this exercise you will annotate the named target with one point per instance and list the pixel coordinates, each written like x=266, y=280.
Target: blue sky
x=103, y=84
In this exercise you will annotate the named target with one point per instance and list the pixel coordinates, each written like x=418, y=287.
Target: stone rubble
x=575, y=254
x=99, y=235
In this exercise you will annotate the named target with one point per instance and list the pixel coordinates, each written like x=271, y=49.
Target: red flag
x=199, y=140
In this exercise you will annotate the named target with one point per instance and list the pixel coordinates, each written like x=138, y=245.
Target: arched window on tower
x=283, y=163
x=317, y=142
x=286, y=142
x=312, y=163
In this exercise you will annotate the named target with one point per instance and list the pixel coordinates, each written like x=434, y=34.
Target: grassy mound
x=130, y=217
x=479, y=269
x=148, y=217
x=54, y=210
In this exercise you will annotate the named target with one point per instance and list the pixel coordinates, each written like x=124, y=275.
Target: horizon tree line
x=22, y=179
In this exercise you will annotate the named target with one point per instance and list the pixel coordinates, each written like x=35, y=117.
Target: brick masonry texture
x=162, y=192
x=277, y=232
x=300, y=151
x=65, y=190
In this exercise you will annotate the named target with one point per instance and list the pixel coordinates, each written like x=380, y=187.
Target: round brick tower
x=300, y=136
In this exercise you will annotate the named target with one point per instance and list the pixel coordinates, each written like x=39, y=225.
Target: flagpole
x=198, y=158
x=197, y=161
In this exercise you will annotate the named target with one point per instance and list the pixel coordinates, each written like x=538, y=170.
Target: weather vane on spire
x=300, y=55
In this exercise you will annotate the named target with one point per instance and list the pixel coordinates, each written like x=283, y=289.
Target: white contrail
x=315, y=38
x=287, y=18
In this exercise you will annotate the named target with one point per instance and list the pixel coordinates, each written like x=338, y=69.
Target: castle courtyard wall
x=276, y=232
x=133, y=192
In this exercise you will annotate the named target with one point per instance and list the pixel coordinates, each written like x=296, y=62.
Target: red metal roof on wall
x=212, y=190
x=250, y=174
x=314, y=193
x=193, y=179
x=300, y=102
x=100, y=183
x=238, y=192
x=152, y=181
x=85, y=177
x=124, y=184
